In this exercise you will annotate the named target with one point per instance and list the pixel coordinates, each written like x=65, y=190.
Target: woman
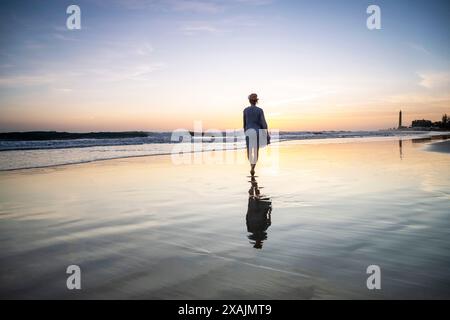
x=255, y=127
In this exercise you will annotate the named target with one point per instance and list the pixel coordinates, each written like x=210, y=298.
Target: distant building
x=422, y=123
x=429, y=125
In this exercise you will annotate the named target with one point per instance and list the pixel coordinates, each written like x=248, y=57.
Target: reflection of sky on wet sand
x=143, y=228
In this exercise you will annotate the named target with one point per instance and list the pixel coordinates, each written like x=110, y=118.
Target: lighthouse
x=400, y=120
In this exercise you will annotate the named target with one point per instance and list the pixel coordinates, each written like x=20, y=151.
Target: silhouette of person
x=256, y=133
x=258, y=215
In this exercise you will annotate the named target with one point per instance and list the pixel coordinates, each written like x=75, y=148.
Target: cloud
x=33, y=45
x=255, y=2
x=419, y=48
x=307, y=97
x=63, y=90
x=140, y=72
x=434, y=80
x=416, y=98
x=6, y=66
x=197, y=6
x=136, y=72
x=225, y=25
x=26, y=80
x=62, y=37
x=143, y=72
x=145, y=50
x=194, y=6
x=130, y=4
x=194, y=28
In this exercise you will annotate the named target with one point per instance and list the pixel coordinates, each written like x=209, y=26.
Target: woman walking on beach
x=255, y=128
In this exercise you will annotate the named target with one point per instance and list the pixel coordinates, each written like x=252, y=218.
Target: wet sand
x=443, y=146
x=144, y=228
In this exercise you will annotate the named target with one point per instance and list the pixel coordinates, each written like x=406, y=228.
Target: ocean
x=22, y=154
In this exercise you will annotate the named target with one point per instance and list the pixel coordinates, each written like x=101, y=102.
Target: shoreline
x=316, y=136
x=316, y=141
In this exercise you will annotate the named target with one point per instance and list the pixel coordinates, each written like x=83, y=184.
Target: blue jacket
x=254, y=118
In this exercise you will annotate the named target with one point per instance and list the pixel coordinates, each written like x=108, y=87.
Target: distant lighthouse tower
x=400, y=120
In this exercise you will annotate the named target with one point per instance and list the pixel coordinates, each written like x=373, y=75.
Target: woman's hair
x=253, y=98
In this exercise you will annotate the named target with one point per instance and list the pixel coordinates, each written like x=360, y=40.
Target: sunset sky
x=161, y=65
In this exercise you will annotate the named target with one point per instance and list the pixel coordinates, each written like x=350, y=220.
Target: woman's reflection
x=258, y=215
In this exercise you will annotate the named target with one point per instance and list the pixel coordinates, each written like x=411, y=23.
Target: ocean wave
x=166, y=138
x=38, y=154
